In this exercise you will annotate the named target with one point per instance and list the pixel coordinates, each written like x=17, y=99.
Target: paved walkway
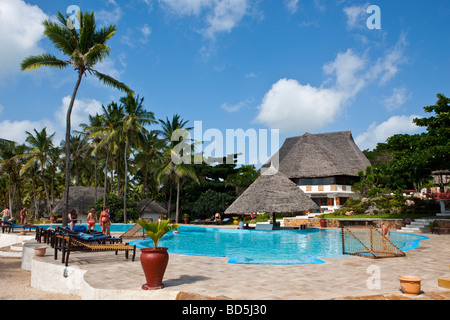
x=339, y=278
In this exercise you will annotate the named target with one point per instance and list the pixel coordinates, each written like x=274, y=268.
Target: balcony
x=327, y=189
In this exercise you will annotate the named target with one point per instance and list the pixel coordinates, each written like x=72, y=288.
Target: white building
x=324, y=166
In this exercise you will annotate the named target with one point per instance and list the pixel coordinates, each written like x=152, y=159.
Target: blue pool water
x=264, y=247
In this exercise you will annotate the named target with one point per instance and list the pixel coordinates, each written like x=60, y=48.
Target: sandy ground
x=15, y=283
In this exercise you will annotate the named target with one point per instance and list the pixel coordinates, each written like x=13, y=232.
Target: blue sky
x=294, y=65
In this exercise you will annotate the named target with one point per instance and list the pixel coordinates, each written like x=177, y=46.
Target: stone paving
x=191, y=277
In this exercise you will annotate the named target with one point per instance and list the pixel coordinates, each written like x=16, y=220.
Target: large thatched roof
x=272, y=193
x=80, y=199
x=320, y=155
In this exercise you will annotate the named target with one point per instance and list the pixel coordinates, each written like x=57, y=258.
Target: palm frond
x=111, y=82
x=45, y=60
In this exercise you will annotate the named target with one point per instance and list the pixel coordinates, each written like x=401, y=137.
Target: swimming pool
x=264, y=247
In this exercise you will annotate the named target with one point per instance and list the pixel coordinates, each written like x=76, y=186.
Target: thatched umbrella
x=273, y=193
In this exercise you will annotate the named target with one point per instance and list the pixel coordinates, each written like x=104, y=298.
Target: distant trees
x=407, y=161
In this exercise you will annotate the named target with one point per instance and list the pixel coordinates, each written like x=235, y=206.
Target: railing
x=326, y=188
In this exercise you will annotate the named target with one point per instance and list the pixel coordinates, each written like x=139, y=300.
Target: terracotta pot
x=235, y=222
x=323, y=223
x=410, y=284
x=40, y=251
x=23, y=232
x=52, y=219
x=186, y=220
x=154, y=263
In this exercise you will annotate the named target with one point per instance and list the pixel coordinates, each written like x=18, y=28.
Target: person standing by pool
x=105, y=222
x=72, y=218
x=23, y=216
x=91, y=219
x=385, y=231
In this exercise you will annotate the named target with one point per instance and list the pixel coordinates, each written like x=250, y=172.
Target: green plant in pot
x=154, y=260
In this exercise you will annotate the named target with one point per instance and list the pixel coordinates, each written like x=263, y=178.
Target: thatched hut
x=324, y=165
x=80, y=199
x=273, y=193
x=150, y=209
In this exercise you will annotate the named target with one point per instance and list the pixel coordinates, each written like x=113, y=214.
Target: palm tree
x=174, y=170
x=107, y=131
x=85, y=48
x=41, y=146
x=133, y=131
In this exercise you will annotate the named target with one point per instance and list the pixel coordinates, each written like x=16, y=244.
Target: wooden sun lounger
x=8, y=226
x=69, y=243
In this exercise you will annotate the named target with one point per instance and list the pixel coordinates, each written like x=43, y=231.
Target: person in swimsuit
x=72, y=218
x=91, y=219
x=23, y=216
x=104, y=221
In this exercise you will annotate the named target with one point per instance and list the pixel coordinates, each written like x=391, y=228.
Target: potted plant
x=236, y=220
x=186, y=218
x=154, y=260
x=52, y=217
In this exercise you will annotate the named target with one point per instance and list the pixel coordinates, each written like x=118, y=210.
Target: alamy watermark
x=213, y=146
x=374, y=280
x=74, y=13
x=374, y=21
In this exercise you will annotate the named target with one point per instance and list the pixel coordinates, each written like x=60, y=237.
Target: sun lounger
x=67, y=243
x=9, y=226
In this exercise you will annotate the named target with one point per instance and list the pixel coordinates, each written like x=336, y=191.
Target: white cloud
x=236, y=107
x=15, y=130
x=291, y=106
x=397, y=99
x=21, y=30
x=379, y=133
x=225, y=16
x=108, y=17
x=146, y=32
x=80, y=113
x=186, y=7
x=291, y=5
x=220, y=15
x=356, y=16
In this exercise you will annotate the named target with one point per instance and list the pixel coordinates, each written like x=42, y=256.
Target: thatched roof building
x=80, y=199
x=320, y=155
x=273, y=193
x=149, y=208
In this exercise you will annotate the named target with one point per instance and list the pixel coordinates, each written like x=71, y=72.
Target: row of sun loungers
x=64, y=241
x=211, y=221
x=9, y=226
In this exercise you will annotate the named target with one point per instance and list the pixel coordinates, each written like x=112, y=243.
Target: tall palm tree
x=85, y=48
x=41, y=146
x=107, y=131
x=174, y=170
x=133, y=131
